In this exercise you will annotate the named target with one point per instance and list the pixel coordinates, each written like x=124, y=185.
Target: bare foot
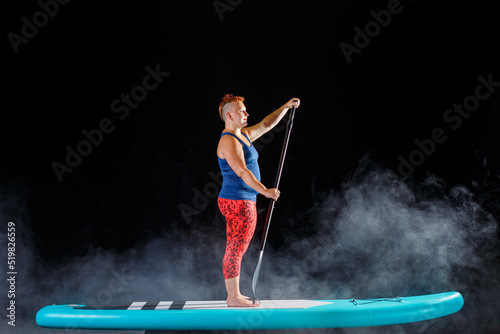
x=251, y=299
x=241, y=301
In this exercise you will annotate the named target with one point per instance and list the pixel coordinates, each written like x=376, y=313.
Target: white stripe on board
x=136, y=306
x=264, y=304
x=163, y=305
x=205, y=304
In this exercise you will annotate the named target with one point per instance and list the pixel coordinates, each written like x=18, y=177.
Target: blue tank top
x=233, y=187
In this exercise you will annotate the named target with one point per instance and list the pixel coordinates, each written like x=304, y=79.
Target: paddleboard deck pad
x=271, y=314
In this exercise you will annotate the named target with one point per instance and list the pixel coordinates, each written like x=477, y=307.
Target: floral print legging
x=241, y=219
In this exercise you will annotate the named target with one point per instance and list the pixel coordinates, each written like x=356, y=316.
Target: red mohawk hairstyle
x=226, y=99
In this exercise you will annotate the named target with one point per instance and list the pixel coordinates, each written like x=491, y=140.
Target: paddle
x=271, y=204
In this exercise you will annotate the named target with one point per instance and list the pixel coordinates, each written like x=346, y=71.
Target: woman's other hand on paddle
x=272, y=193
x=293, y=102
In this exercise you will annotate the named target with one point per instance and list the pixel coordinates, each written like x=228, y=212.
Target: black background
x=134, y=184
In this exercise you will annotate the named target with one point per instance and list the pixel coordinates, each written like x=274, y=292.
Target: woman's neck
x=236, y=131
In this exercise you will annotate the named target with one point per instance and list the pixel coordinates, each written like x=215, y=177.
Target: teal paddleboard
x=272, y=314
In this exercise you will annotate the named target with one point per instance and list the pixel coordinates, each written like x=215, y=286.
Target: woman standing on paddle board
x=241, y=184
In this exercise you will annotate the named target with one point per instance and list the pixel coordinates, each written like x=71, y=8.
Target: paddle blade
x=256, y=275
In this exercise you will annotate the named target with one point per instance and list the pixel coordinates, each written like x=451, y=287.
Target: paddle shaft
x=271, y=204
x=277, y=180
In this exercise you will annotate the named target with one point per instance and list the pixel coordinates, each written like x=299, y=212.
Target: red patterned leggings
x=241, y=219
